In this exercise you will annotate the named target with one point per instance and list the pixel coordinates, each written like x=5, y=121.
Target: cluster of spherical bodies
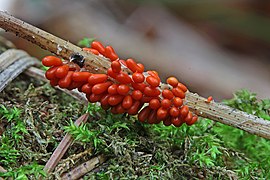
x=137, y=93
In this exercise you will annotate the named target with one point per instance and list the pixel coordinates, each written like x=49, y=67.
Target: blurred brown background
x=214, y=47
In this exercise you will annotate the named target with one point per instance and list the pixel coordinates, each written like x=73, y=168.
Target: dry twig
x=65, y=164
x=2, y=169
x=214, y=111
x=84, y=168
x=12, y=63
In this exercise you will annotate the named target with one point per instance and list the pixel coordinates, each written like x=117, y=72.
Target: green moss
x=31, y=117
x=35, y=117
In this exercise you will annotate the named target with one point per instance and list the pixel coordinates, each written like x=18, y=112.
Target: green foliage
x=31, y=114
x=253, y=147
x=33, y=171
x=93, y=109
x=219, y=150
x=206, y=150
x=246, y=101
x=86, y=42
x=13, y=113
x=9, y=141
x=8, y=153
x=203, y=147
x=83, y=133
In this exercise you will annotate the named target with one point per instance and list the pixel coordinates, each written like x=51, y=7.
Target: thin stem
x=197, y=104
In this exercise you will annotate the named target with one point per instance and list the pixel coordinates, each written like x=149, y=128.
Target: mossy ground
x=34, y=118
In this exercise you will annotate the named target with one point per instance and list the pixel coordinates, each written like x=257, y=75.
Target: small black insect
x=78, y=59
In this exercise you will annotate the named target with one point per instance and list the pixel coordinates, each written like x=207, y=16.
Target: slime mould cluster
x=138, y=93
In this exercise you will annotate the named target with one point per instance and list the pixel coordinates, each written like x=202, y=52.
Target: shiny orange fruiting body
x=209, y=99
x=137, y=93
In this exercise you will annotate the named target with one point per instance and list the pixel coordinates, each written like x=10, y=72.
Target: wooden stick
x=21, y=63
x=84, y=168
x=10, y=56
x=227, y=115
x=65, y=164
x=62, y=147
x=50, y=42
x=2, y=170
x=214, y=111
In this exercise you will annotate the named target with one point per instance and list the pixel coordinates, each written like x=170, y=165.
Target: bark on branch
x=213, y=110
